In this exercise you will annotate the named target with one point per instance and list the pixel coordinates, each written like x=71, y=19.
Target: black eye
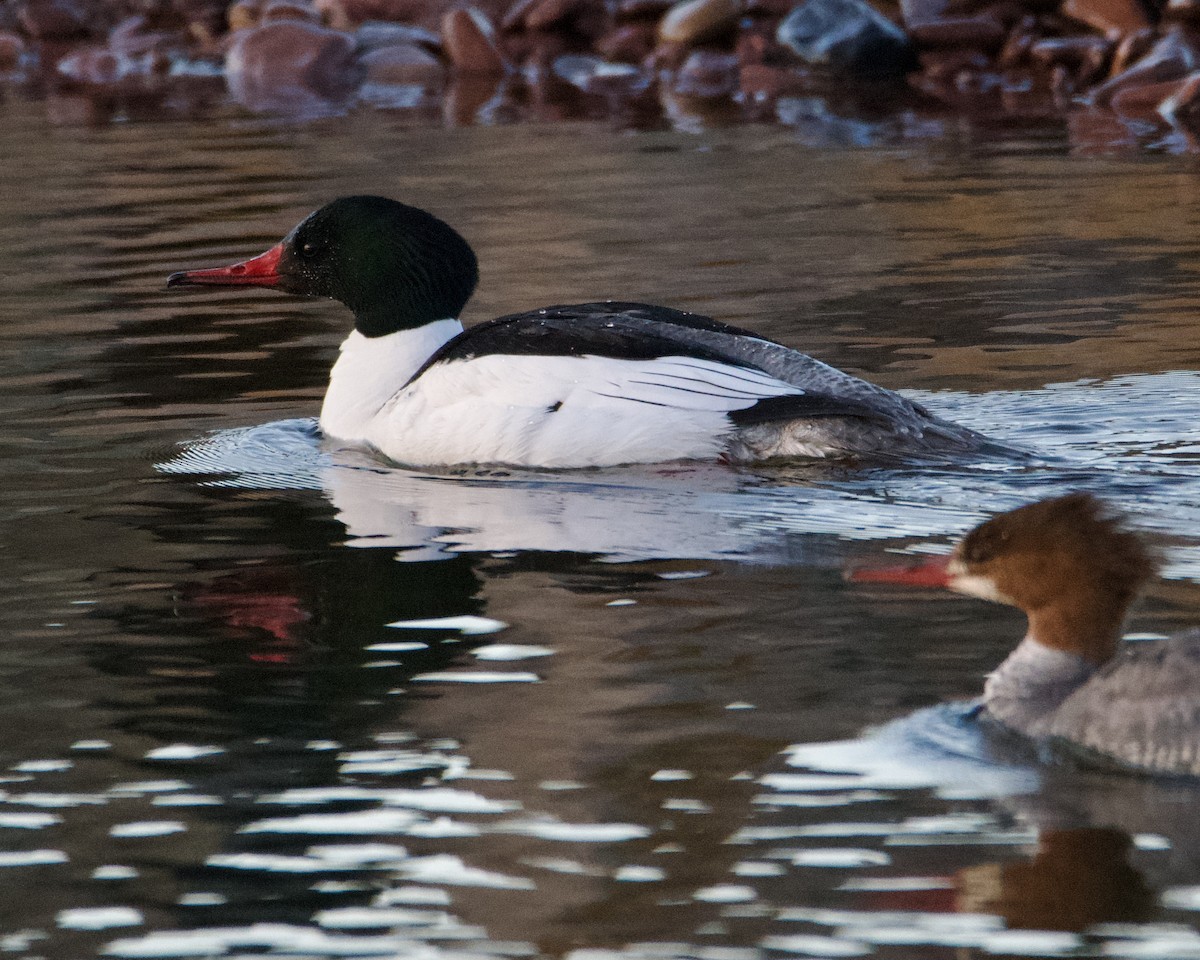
x=307, y=250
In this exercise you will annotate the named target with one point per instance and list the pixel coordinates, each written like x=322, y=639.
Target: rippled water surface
x=258, y=696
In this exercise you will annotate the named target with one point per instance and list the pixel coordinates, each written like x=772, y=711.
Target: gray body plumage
x=1140, y=711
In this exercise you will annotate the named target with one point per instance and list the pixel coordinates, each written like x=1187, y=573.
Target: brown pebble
x=1141, y=103
x=629, y=43
x=755, y=47
x=470, y=43
x=291, y=64
x=547, y=14
x=980, y=33
x=289, y=10
x=696, y=21
x=1172, y=58
x=243, y=15
x=1114, y=18
x=12, y=48
x=52, y=20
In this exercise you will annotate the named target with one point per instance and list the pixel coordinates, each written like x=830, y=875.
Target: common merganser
x=1074, y=568
x=594, y=384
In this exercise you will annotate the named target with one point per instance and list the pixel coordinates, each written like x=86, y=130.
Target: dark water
x=216, y=740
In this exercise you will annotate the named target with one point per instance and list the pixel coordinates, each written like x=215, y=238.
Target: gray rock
x=848, y=35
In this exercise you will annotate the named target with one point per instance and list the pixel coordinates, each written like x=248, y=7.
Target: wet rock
x=630, y=43
x=375, y=35
x=1131, y=49
x=760, y=82
x=95, y=66
x=293, y=66
x=289, y=10
x=754, y=47
x=52, y=20
x=848, y=35
x=915, y=12
x=1020, y=40
x=596, y=76
x=514, y=18
x=547, y=14
x=1114, y=18
x=642, y=9
x=208, y=15
x=1008, y=12
x=981, y=33
x=773, y=9
x=698, y=21
x=1086, y=56
x=536, y=51
x=470, y=43
x=12, y=49
x=243, y=15
x=348, y=14
x=668, y=56
x=1181, y=107
x=472, y=98
x=708, y=73
x=1142, y=102
x=1187, y=11
x=539, y=14
x=944, y=68
x=1172, y=58
x=133, y=37
x=403, y=63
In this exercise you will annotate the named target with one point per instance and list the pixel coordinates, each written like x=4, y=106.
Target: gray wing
x=1141, y=710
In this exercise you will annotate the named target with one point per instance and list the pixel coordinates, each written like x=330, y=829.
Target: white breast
x=369, y=371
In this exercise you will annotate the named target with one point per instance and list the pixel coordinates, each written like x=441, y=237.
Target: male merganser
x=593, y=384
x=1074, y=569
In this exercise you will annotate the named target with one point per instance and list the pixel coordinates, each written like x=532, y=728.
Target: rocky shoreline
x=1119, y=68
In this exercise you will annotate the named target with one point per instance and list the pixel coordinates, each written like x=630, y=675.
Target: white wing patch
x=693, y=384
x=556, y=411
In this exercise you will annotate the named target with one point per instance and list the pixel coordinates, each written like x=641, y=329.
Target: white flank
x=549, y=411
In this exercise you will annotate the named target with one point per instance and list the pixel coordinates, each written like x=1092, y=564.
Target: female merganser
x=1074, y=569
x=594, y=384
